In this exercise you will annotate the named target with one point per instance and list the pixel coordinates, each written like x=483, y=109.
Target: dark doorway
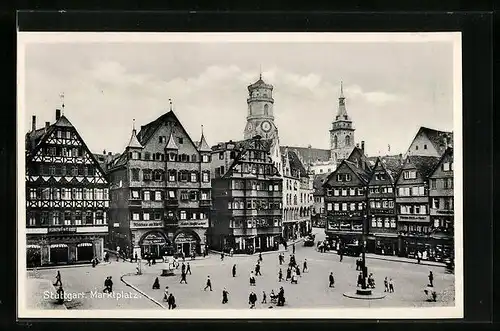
x=59, y=254
x=186, y=248
x=85, y=253
x=33, y=257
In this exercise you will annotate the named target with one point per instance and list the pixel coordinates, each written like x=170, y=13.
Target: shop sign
x=444, y=212
x=194, y=223
x=413, y=218
x=146, y=224
x=62, y=229
x=348, y=213
x=184, y=238
x=154, y=239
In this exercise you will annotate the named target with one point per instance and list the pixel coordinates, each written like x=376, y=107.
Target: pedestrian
x=193, y=256
x=156, y=284
x=431, y=279
x=260, y=256
x=293, y=248
x=234, y=270
x=252, y=279
x=297, y=270
x=117, y=253
x=252, y=299
x=209, y=284
x=331, y=280
x=183, y=278
x=183, y=257
x=419, y=256
x=281, y=297
x=222, y=256
x=188, y=269
x=341, y=253
x=60, y=295
x=165, y=294
x=288, y=273
x=391, y=286
x=58, y=279
x=386, y=285
x=224, y=296
x=183, y=268
x=171, y=301
x=135, y=256
x=231, y=252
x=360, y=280
x=280, y=275
x=264, y=299
x=305, y=266
x=257, y=270
x=294, y=278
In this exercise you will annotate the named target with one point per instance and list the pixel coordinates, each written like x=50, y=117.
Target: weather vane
x=61, y=96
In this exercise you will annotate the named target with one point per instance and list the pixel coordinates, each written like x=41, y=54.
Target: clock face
x=249, y=127
x=266, y=126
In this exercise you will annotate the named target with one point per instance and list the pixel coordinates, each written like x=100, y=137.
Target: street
x=311, y=291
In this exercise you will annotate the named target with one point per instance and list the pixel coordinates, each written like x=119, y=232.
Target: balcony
x=172, y=203
x=205, y=203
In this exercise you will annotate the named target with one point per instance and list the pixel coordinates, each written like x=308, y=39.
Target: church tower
x=342, y=132
x=260, y=117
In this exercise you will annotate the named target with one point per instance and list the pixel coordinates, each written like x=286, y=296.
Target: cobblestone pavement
x=311, y=291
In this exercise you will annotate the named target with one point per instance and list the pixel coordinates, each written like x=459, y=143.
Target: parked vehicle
x=309, y=241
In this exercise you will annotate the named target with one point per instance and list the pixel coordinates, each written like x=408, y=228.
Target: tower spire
x=342, y=111
x=61, y=96
x=341, y=89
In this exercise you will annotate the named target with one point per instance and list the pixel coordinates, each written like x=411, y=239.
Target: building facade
x=318, y=214
x=412, y=201
x=345, y=200
x=382, y=215
x=67, y=196
x=442, y=205
x=297, y=197
x=430, y=142
x=161, y=191
x=247, y=193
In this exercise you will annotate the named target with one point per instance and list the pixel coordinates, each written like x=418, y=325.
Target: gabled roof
x=171, y=142
x=134, y=142
x=392, y=165
x=202, y=145
x=296, y=164
x=447, y=152
x=439, y=139
x=309, y=155
x=424, y=164
x=363, y=175
x=363, y=158
x=318, y=182
x=258, y=83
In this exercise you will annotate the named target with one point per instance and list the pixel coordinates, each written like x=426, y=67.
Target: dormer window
x=411, y=174
x=447, y=166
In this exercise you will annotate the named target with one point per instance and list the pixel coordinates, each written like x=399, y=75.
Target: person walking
x=171, y=301
x=135, y=256
x=297, y=270
x=305, y=266
x=264, y=299
x=106, y=285
x=231, y=252
x=279, y=259
x=234, y=270
x=341, y=253
x=280, y=275
x=183, y=278
x=252, y=299
x=294, y=279
x=331, y=280
x=58, y=279
x=288, y=273
x=156, y=284
x=183, y=268
x=360, y=279
x=281, y=297
x=386, y=285
x=293, y=248
x=252, y=279
x=391, y=286
x=260, y=256
x=431, y=279
x=110, y=284
x=257, y=270
x=188, y=269
x=419, y=256
x=165, y=294
x=209, y=284
x=224, y=296
x=222, y=256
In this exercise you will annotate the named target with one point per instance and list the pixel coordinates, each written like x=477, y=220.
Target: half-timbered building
x=67, y=196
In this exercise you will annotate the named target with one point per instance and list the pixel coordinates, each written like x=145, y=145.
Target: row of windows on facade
x=412, y=174
x=442, y=203
x=250, y=155
x=66, y=193
x=292, y=185
x=182, y=214
x=377, y=222
x=256, y=204
x=170, y=194
x=66, y=134
x=321, y=171
x=353, y=191
x=303, y=198
x=254, y=185
x=254, y=223
x=347, y=141
x=65, y=170
x=78, y=217
x=293, y=214
x=172, y=175
x=252, y=168
x=63, y=151
x=344, y=206
x=172, y=157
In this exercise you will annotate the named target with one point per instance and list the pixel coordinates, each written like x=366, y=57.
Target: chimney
x=104, y=152
x=109, y=153
x=47, y=124
x=357, y=145
x=58, y=114
x=33, y=123
x=363, y=145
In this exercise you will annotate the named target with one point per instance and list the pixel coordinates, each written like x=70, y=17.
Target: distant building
x=382, y=214
x=412, y=200
x=297, y=197
x=161, y=191
x=67, y=197
x=430, y=142
x=318, y=215
x=442, y=205
x=247, y=193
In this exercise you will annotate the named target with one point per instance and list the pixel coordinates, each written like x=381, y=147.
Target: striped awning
x=58, y=246
x=84, y=245
x=32, y=246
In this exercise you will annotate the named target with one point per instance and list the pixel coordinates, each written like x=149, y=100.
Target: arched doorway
x=59, y=253
x=84, y=252
x=155, y=243
x=187, y=242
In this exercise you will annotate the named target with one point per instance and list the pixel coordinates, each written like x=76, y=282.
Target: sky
x=391, y=88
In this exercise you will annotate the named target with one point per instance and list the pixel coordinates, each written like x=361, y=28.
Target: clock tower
x=260, y=117
x=342, y=132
